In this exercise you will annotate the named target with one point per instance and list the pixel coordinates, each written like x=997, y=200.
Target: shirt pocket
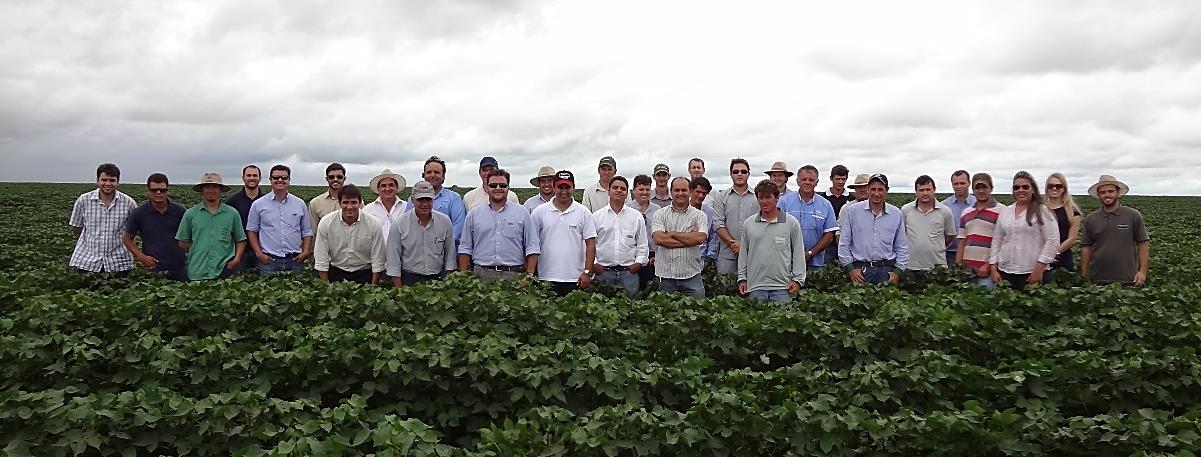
x=512, y=230
x=292, y=220
x=629, y=238
x=781, y=245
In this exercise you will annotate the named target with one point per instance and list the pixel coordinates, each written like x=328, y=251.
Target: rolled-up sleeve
x=1050, y=235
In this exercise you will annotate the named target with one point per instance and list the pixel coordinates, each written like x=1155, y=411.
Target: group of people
x=623, y=232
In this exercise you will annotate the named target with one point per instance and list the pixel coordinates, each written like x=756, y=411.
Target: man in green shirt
x=211, y=233
x=771, y=250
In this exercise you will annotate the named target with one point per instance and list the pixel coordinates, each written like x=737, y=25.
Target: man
x=621, y=241
x=156, y=222
x=698, y=196
x=446, y=201
x=873, y=247
x=499, y=241
x=855, y=186
x=929, y=227
x=327, y=202
x=779, y=174
x=349, y=245
x=545, y=182
x=387, y=207
x=959, y=201
x=566, y=237
x=1117, y=248
x=696, y=169
x=679, y=231
x=280, y=234
x=420, y=245
x=211, y=233
x=597, y=195
x=771, y=258
x=838, y=197
x=241, y=201
x=642, y=202
x=732, y=207
x=976, y=226
x=97, y=222
x=814, y=213
x=480, y=195
x=662, y=193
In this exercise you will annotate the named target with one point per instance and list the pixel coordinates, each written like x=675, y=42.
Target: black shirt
x=158, y=233
x=838, y=201
x=241, y=202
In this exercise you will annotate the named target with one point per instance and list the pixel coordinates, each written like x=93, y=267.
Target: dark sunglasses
x=1021, y=187
x=1054, y=186
x=740, y=172
x=158, y=191
x=498, y=185
x=281, y=178
x=335, y=177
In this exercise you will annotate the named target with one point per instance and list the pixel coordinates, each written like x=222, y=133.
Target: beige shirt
x=479, y=196
x=321, y=205
x=349, y=247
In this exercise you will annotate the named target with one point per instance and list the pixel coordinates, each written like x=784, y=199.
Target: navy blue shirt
x=242, y=203
x=158, y=233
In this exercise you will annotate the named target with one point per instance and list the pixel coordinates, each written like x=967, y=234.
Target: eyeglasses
x=740, y=172
x=1021, y=187
x=281, y=178
x=158, y=191
x=498, y=185
x=335, y=177
x=1054, y=186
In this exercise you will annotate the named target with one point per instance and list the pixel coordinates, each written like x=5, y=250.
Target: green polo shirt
x=213, y=236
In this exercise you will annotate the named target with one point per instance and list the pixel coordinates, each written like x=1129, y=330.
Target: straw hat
x=860, y=181
x=778, y=167
x=544, y=172
x=400, y=181
x=1109, y=179
x=210, y=178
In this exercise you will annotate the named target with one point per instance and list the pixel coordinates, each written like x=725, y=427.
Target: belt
x=875, y=263
x=516, y=268
x=617, y=268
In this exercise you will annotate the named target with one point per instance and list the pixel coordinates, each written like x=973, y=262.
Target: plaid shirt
x=99, y=246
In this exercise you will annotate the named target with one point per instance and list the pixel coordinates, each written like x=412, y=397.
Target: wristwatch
x=587, y=271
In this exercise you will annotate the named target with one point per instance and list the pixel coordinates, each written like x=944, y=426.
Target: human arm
x=799, y=257
x=148, y=261
x=1050, y=245
x=1074, y=222
x=239, y=250
x=585, y=279
x=321, y=254
x=306, y=249
x=1144, y=259
x=724, y=235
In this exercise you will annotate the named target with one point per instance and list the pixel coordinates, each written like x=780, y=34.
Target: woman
x=1026, y=236
x=1068, y=217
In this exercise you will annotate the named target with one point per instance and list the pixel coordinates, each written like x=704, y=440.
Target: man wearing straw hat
x=779, y=174
x=1117, y=247
x=860, y=195
x=211, y=233
x=387, y=207
x=545, y=182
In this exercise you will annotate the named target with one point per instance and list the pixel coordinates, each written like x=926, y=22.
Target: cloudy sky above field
x=906, y=88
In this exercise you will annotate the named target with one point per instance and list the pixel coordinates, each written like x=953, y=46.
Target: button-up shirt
x=99, y=245
x=595, y=197
x=534, y=202
x=499, y=238
x=663, y=201
x=620, y=237
x=422, y=249
x=562, y=236
x=648, y=216
x=321, y=205
x=709, y=249
x=448, y=202
x=479, y=196
x=281, y=225
x=957, y=207
x=730, y=210
x=214, y=236
x=927, y=234
x=158, y=233
x=348, y=247
x=871, y=237
x=771, y=253
x=1017, y=246
x=816, y=217
x=679, y=263
x=383, y=217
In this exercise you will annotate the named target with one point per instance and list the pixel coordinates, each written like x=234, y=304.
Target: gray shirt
x=771, y=253
x=731, y=210
x=927, y=234
x=426, y=250
x=679, y=263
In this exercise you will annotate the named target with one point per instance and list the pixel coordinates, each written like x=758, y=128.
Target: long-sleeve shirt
x=321, y=205
x=349, y=247
x=1017, y=246
x=383, y=217
x=499, y=238
x=422, y=249
x=620, y=237
x=534, y=202
x=771, y=253
x=281, y=225
x=99, y=245
x=448, y=202
x=867, y=236
x=730, y=210
x=816, y=217
x=709, y=249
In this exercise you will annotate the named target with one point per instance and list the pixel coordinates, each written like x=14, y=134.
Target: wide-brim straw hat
x=860, y=180
x=210, y=178
x=400, y=181
x=1123, y=189
x=778, y=167
x=544, y=172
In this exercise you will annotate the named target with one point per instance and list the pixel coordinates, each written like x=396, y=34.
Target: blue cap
x=488, y=160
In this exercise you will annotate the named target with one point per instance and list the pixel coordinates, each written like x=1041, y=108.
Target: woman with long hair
x=1068, y=217
x=1026, y=236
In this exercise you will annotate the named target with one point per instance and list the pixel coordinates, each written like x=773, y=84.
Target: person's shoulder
x=910, y=206
x=440, y=216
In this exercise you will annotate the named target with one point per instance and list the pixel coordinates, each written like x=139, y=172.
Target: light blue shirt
x=281, y=225
x=709, y=249
x=816, y=217
x=448, y=202
x=957, y=208
x=868, y=237
x=499, y=238
x=534, y=202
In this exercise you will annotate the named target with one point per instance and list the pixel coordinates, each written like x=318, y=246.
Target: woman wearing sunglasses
x=1068, y=217
x=1026, y=237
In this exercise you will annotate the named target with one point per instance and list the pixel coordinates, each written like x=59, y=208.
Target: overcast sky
x=904, y=88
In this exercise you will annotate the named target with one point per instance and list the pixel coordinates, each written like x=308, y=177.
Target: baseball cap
x=982, y=178
x=661, y=168
x=423, y=189
x=608, y=160
x=564, y=176
x=488, y=161
x=878, y=177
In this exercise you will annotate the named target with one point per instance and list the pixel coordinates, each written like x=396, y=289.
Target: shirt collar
x=779, y=217
x=356, y=220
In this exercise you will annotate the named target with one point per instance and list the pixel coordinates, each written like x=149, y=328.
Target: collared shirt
x=99, y=246
x=1114, y=238
x=679, y=263
x=535, y=201
x=214, y=237
x=383, y=217
x=709, y=249
x=842, y=214
x=648, y=216
x=499, y=238
x=562, y=236
x=976, y=228
x=479, y=196
x=241, y=202
x=771, y=253
x=348, y=247
x=158, y=233
x=957, y=208
x=321, y=205
x=663, y=201
x=871, y=237
x=281, y=225
x=448, y=202
x=837, y=201
x=816, y=217
x=927, y=234
x=620, y=237
x=595, y=197
x=730, y=210
x=1017, y=246
x=422, y=249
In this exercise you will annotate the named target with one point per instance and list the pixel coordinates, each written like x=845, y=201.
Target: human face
x=698, y=196
x=696, y=168
x=434, y=174
x=564, y=193
x=422, y=207
x=925, y=194
x=107, y=184
x=484, y=173
x=618, y=193
x=1023, y=190
x=606, y=173
x=679, y=192
x=335, y=178
x=251, y=177
x=876, y=193
x=960, y=186
x=498, y=189
x=739, y=173
x=546, y=185
x=806, y=181
x=387, y=188
x=661, y=179
x=982, y=192
x=211, y=193
x=838, y=182
x=767, y=203
x=642, y=193
x=1055, y=188
x=1108, y=194
x=279, y=180
x=350, y=208
x=157, y=192
x=780, y=179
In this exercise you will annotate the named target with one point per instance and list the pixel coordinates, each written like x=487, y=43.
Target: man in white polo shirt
x=567, y=238
x=621, y=246
x=679, y=231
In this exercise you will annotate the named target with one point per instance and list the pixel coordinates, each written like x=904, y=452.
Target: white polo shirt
x=562, y=235
x=620, y=237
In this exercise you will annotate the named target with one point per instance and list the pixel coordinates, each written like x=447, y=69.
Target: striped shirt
x=99, y=246
x=679, y=263
x=976, y=227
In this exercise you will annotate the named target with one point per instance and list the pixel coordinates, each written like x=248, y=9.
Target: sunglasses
x=498, y=185
x=158, y=191
x=1054, y=186
x=1021, y=187
x=281, y=178
x=740, y=172
x=335, y=177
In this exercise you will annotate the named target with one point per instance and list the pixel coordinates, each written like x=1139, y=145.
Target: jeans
x=877, y=275
x=778, y=295
x=247, y=262
x=286, y=264
x=563, y=288
x=620, y=278
x=1017, y=281
x=646, y=274
x=985, y=282
x=693, y=286
x=362, y=276
x=950, y=258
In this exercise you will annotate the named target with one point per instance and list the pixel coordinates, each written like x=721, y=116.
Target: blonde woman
x=1026, y=236
x=1067, y=215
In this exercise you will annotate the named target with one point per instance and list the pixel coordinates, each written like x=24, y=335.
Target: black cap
x=879, y=177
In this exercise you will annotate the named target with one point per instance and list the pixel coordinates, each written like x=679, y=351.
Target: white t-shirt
x=562, y=235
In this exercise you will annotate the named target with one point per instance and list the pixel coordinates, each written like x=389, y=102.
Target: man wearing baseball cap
x=545, y=182
x=211, y=233
x=661, y=194
x=977, y=224
x=157, y=221
x=597, y=196
x=873, y=247
x=421, y=245
x=567, y=238
x=479, y=195
x=1117, y=247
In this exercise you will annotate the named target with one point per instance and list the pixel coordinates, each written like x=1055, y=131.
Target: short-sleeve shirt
x=498, y=238
x=730, y=210
x=241, y=202
x=99, y=246
x=158, y=233
x=534, y=202
x=817, y=217
x=562, y=236
x=837, y=201
x=976, y=228
x=1114, y=238
x=214, y=237
x=679, y=263
x=957, y=207
x=281, y=225
x=927, y=233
